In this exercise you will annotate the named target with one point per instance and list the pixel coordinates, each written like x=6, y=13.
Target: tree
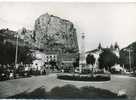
x=76, y=62
x=22, y=31
x=116, y=46
x=107, y=59
x=111, y=46
x=7, y=55
x=25, y=55
x=124, y=56
x=99, y=46
x=124, y=59
x=90, y=59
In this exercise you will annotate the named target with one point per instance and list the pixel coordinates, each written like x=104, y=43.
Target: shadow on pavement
x=68, y=91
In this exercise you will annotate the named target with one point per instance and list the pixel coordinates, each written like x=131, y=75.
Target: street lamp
x=130, y=59
x=16, y=54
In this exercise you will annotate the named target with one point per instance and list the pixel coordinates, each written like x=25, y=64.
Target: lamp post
x=130, y=59
x=16, y=54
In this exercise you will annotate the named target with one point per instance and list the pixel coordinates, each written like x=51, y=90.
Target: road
x=16, y=86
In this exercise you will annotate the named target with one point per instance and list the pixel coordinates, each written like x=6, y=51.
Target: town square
x=67, y=50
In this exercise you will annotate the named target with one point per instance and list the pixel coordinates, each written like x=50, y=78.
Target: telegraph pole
x=16, y=54
x=130, y=59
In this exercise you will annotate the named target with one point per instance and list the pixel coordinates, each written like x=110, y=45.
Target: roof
x=96, y=50
x=93, y=51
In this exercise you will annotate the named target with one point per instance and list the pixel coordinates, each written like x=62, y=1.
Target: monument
x=80, y=75
x=82, y=61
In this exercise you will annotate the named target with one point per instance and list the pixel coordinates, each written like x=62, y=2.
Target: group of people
x=10, y=71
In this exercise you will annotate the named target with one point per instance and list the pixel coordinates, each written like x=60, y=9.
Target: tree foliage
x=116, y=46
x=99, y=46
x=76, y=62
x=124, y=59
x=90, y=59
x=7, y=54
x=107, y=59
x=111, y=46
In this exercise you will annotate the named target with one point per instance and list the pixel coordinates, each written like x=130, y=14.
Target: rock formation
x=52, y=30
x=51, y=34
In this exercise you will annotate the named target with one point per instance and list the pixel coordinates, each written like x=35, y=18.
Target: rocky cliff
x=50, y=33
x=52, y=30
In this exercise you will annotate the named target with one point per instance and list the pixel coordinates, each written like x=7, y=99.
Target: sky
x=104, y=23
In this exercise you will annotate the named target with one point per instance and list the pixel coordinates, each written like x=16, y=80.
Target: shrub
x=85, y=77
